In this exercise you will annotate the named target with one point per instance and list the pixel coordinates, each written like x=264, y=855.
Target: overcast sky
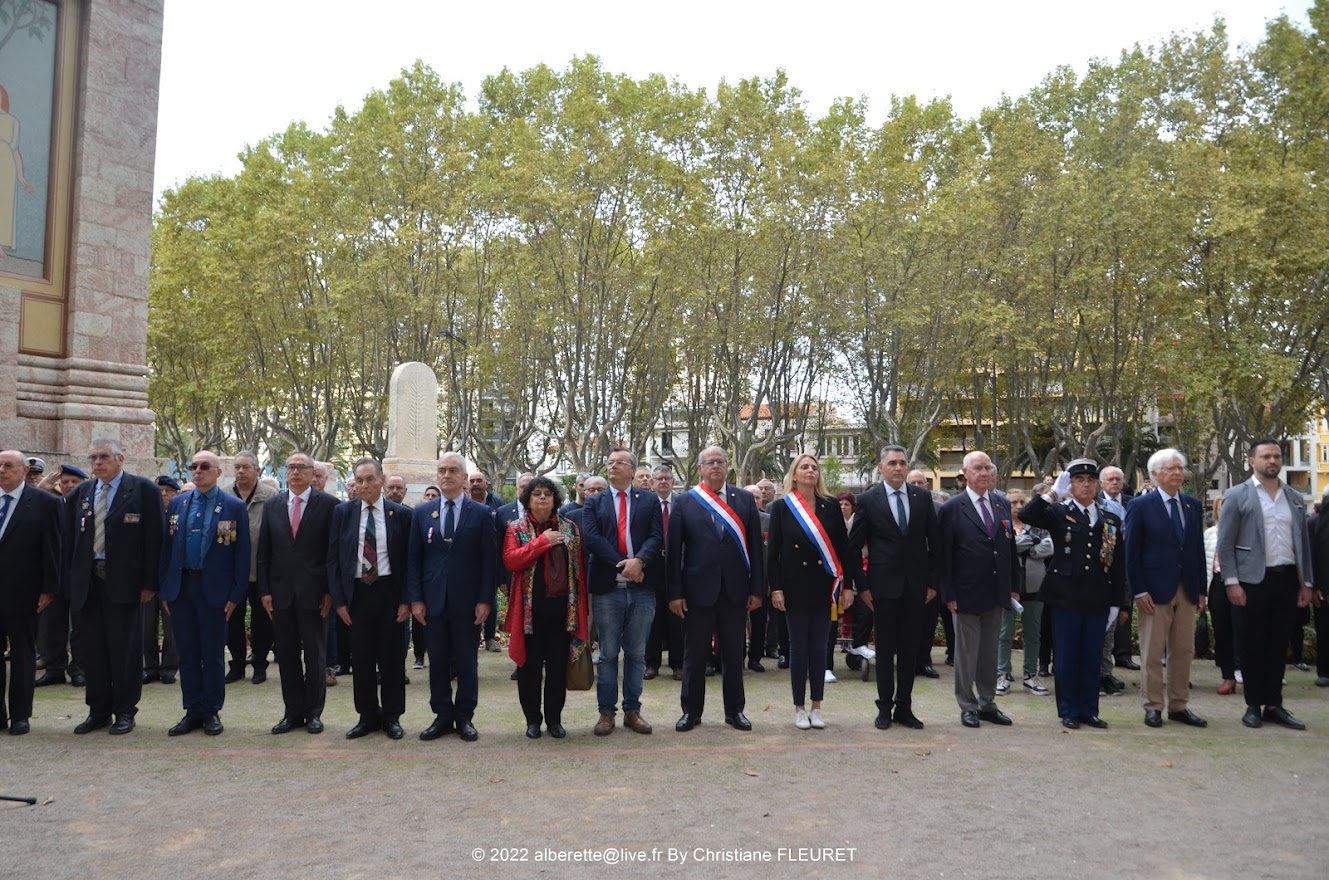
x=236, y=72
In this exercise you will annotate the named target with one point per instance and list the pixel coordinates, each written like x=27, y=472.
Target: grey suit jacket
x=1241, y=536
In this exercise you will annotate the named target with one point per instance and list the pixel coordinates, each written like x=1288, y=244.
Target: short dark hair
x=1265, y=441
x=541, y=483
x=378, y=467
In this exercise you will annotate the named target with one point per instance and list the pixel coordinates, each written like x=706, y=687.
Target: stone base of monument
x=419, y=474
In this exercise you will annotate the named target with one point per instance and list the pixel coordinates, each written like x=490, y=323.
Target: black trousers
x=1262, y=626
x=666, y=633
x=260, y=632
x=158, y=655
x=1322, y=640
x=417, y=638
x=1220, y=612
x=547, y=649
x=57, y=629
x=928, y=631
x=20, y=627
x=807, y=650
x=1121, y=644
x=375, y=642
x=1046, y=638
x=110, y=646
x=300, y=636
x=729, y=620
x=757, y=618
x=899, y=625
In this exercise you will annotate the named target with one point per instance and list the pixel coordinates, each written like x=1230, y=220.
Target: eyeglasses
x=714, y=462
x=199, y=466
x=100, y=456
x=299, y=467
x=982, y=468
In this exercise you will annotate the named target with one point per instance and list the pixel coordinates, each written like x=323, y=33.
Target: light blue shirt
x=113, y=487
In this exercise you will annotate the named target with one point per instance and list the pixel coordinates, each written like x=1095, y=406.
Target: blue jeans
x=623, y=619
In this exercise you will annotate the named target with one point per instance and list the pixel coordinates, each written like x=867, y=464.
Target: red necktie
x=295, y=518
x=664, y=515
x=623, y=523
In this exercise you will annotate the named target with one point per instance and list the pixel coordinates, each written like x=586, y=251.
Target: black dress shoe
x=260, y=676
x=557, y=731
x=77, y=679
x=969, y=718
x=1153, y=717
x=393, y=729
x=122, y=725
x=782, y=663
x=1186, y=716
x=314, y=725
x=1252, y=717
x=513, y=676
x=92, y=723
x=1044, y=671
x=286, y=725
x=882, y=721
x=19, y=726
x=532, y=731
x=929, y=672
x=1127, y=664
x=755, y=666
x=1095, y=722
x=738, y=722
x=1070, y=724
x=1283, y=718
x=710, y=670
x=188, y=724
x=950, y=660
x=686, y=722
x=362, y=728
x=908, y=720
x=150, y=677
x=235, y=674
x=996, y=716
x=437, y=729
x=50, y=676
x=651, y=673
x=212, y=726
x=466, y=730
x=167, y=678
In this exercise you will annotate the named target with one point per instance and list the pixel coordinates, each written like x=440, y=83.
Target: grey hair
x=892, y=447
x=1162, y=458
x=107, y=441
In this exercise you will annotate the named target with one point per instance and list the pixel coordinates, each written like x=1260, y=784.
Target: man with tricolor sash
x=715, y=576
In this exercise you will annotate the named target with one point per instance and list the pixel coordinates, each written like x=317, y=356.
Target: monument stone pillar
x=413, y=426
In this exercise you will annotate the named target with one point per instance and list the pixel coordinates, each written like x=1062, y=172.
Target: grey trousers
x=976, y=659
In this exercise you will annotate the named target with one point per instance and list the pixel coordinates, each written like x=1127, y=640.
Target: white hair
x=1162, y=458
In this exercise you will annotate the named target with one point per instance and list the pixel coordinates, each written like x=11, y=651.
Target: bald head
x=13, y=470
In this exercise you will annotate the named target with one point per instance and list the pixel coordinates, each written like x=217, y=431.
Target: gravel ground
x=1032, y=800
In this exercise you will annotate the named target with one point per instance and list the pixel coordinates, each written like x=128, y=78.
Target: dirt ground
x=1031, y=800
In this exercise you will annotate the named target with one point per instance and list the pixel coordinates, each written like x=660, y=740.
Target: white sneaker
x=801, y=720
x=830, y=677
x=1240, y=680
x=1003, y=685
x=1035, y=687
x=814, y=718
x=863, y=651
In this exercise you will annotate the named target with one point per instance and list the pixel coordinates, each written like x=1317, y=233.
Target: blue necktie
x=4, y=512
x=900, y=519
x=1175, y=513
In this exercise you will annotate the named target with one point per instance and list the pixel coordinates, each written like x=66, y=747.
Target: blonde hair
x=822, y=491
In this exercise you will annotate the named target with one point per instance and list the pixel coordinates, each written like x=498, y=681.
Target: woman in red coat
x=547, y=606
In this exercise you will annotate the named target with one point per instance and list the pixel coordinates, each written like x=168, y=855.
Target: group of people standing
x=604, y=568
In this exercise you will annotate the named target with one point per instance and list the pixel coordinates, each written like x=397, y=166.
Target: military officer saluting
x=1085, y=585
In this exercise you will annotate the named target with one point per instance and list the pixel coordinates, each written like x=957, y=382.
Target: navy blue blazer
x=599, y=529
x=133, y=540
x=30, y=552
x=1156, y=563
x=225, y=563
x=701, y=561
x=977, y=572
x=344, y=548
x=457, y=575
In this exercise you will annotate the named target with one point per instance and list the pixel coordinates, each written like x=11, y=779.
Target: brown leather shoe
x=605, y=725
x=330, y=679
x=634, y=721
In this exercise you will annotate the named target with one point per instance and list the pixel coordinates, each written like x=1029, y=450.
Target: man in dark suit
x=204, y=578
x=980, y=575
x=366, y=575
x=1164, y=534
x=30, y=560
x=54, y=624
x=293, y=583
x=112, y=546
x=897, y=523
x=1264, y=558
x=622, y=534
x=715, y=576
x=450, y=585
x=666, y=631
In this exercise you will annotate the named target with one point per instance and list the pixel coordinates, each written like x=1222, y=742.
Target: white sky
x=236, y=72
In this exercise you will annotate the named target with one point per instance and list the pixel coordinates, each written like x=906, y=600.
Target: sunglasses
x=199, y=466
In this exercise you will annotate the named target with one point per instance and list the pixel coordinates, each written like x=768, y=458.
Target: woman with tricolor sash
x=807, y=546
